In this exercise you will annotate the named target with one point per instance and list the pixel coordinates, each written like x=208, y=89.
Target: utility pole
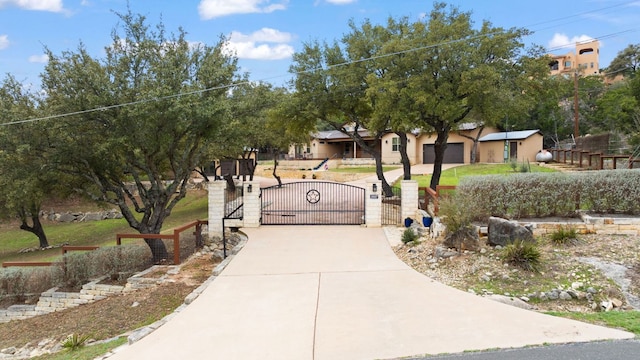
x=576, y=113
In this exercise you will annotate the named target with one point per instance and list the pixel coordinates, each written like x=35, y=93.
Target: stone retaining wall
x=590, y=224
x=53, y=300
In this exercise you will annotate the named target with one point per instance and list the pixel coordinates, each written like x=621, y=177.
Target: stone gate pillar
x=216, y=207
x=373, y=203
x=410, y=196
x=252, y=205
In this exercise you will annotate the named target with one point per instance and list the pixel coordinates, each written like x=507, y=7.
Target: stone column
x=252, y=205
x=373, y=204
x=410, y=198
x=216, y=207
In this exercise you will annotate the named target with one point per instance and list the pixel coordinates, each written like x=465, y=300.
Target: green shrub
x=112, y=261
x=20, y=283
x=409, y=236
x=523, y=254
x=118, y=261
x=551, y=194
x=564, y=236
x=75, y=341
x=455, y=212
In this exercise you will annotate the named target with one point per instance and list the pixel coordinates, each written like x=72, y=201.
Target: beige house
x=522, y=145
x=420, y=147
x=584, y=59
x=512, y=145
x=333, y=144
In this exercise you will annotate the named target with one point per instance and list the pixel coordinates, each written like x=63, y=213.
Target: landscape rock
x=463, y=239
x=444, y=253
x=503, y=232
x=617, y=303
x=510, y=301
x=565, y=296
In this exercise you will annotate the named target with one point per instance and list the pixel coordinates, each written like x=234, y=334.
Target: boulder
x=466, y=238
x=503, y=232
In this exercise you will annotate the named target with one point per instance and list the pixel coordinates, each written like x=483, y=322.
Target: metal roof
x=337, y=135
x=509, y=135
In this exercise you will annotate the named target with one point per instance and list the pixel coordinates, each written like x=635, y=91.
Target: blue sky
x=265, y=33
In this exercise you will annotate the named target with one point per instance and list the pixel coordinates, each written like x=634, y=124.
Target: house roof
x=337, y=135
x=509, y=135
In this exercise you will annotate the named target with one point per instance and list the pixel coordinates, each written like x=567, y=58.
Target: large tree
x=139, y=119
x=626, y=62
x=330, y=90
x=453, y=71
x=24, y=180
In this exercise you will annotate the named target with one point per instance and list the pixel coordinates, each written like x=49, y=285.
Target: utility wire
x=321, y=68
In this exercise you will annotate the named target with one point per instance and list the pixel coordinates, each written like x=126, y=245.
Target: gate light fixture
x=375, y=188
x=250, y=188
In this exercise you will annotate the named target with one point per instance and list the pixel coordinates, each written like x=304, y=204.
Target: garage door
x=454, y=154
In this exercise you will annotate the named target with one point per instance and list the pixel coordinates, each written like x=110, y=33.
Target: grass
x=362, y=169
x=626, y=320
x=86, y=352
x=99, y=233
x=452, y=176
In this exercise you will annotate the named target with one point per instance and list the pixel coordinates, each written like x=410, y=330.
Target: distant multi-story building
x=584, y=60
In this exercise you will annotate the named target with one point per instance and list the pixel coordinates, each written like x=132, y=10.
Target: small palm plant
x=75, y=341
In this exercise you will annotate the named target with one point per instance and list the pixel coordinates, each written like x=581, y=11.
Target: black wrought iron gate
x=313, y=203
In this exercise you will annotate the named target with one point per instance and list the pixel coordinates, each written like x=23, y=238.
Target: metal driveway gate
x=313, y=203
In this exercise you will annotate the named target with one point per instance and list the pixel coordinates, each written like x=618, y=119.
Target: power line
x=228, y=86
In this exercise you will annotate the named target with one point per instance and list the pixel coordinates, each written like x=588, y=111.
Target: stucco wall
x=493, y=151
x=393, y=157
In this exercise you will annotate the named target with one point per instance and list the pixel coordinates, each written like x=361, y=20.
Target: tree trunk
x=474, y=147
x=439, y=148
x=406, y=165
x=36, y=229
x=275, y=167
x=386, y=188
x=158, y=250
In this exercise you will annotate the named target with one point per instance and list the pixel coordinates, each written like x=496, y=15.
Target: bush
x=456, y=213
x=113, y=261
x=409, y=236
x=74, y=342
x=550, y=194
x=21, y=283
x=523, y=254
x=564, y=236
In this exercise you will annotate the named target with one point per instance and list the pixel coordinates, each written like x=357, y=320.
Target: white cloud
x=41, y=5
x=4, y=41
x=209, y=9
x=262, y=35
x=264, y=44
x=560, y=41
x=38, y=58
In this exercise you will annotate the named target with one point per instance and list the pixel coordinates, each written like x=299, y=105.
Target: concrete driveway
x=339, y=292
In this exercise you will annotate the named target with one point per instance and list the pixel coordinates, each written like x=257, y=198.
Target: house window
x=395, y=144
x=567, y=64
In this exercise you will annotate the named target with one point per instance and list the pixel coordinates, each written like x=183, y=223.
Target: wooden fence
x=593, y=160
x=175, y=237
x=433, y=196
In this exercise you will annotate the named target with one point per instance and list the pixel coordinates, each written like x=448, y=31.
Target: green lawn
x=100, y=233
x=453, y=175
x=362, y=169
x=626, y=320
